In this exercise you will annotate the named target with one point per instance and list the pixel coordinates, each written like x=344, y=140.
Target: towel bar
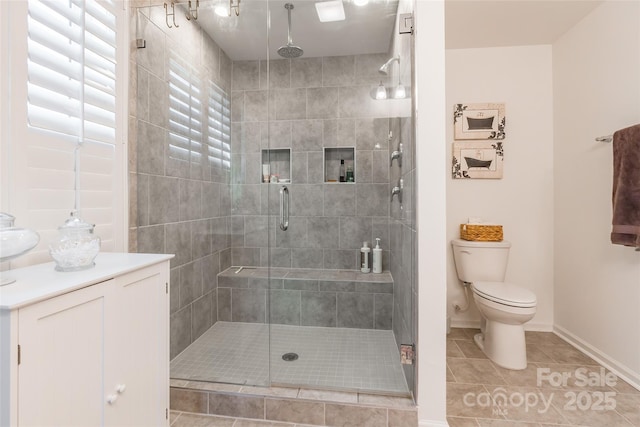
x=607, y=138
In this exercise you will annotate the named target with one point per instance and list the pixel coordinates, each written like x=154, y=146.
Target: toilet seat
x=505, y=293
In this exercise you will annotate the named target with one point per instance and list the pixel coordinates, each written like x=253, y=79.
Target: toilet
x=504, y=307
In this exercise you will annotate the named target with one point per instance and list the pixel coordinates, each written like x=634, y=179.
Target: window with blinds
x=72, y=68
x=199, y=119
x=68, y=89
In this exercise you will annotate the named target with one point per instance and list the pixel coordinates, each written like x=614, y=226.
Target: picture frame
x=479, y=121
x=479, y=160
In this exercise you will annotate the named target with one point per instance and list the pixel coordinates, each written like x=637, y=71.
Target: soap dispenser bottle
x=364, y=257
x=377, y=257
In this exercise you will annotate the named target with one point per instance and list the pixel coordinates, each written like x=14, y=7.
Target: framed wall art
x=478, y=121
x=481, y=160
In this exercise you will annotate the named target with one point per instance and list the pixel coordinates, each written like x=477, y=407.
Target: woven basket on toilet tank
x=481, y=232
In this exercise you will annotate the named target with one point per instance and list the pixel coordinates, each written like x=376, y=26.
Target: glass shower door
x=197, y=121
x=340, y=140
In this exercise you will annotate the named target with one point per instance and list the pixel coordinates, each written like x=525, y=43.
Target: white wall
x=431, y=212
x=596, y=77
x=522, y=201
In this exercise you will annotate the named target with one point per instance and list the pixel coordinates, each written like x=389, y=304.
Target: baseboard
x=622, y=371
x=457, y=323
x=475, y=324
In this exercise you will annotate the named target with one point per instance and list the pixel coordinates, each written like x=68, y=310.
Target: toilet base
x=503, y=344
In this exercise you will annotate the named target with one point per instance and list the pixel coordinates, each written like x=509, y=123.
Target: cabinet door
x=137, y=349
x=61, y=359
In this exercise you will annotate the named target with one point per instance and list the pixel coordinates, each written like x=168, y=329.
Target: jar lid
x=6, y=220
x=75, y=223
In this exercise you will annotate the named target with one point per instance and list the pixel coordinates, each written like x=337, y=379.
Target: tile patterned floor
x=482, y=394
x=336, y=358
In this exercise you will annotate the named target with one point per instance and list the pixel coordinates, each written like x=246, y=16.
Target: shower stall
x=264, y=166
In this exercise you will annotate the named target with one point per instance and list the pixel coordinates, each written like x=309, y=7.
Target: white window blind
x=199, y=119
x=219, y=127
x=72, y=68
x=68, y=84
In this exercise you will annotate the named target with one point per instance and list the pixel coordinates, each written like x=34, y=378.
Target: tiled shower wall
x=306, y=105
x=179, y=199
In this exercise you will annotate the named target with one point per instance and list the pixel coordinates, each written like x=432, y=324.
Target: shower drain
x=290, y=357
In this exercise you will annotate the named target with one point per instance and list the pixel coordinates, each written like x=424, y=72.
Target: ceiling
x=368, y=29
x=482, y=23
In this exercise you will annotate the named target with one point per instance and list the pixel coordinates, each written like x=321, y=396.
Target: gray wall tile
x=150, y=141
x=338, y=70
x=201, y=238
x=237, y=106
x=323, y=232
x=178, y=237
x=367, y=68
x=341, y=259
x=201, y=316
x=249, y=257
x=306, y=135
x=348, y=415
x=151, y=239
x=383, y=311
x=306, y=200
x=180, y=331
x=295, y=411
x=164, y=199
x=318, y=309
x=355, y=310
x=306, y=72
x=190, y=200
x=279, y=73
x=372, y=199
x=234, y=405
x=315, y=167
x=248, y=305
x=190, y=283
x=340, y=200
x=210, y=199
x=245, y=75
x=256, y=231
x=285, y=307
x=354, y=231
x=224, y=304
x=322, y=103
x=255, y=105
x=290, y=104
x=307, y=258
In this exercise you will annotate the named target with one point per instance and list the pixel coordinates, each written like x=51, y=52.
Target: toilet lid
x=505, y=293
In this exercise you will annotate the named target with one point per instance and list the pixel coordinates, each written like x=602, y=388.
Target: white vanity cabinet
x=88, y=348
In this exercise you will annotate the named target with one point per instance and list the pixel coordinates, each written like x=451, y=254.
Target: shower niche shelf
x=332, y=158
x=276, y=162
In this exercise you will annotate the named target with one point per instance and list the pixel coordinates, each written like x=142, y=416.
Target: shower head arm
x=289, y=6
x=383, y=69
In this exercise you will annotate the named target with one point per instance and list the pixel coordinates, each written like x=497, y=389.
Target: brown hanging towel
x=626, y=187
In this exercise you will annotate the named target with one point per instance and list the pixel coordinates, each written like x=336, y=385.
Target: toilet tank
x=480, y=261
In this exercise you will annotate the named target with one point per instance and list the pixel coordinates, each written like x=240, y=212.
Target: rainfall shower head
x=289, y=50
x=384, y=70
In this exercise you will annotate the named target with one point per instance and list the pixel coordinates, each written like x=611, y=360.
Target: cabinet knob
x=111, y=399
x=120, y=388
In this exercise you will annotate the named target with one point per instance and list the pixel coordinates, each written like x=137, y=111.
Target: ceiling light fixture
x=221, y=9
x=360, y=2
x=330, y=11
x=224, y=7
x=381, y=92
x=400, y=92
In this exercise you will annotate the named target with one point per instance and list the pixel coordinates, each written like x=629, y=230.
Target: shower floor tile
x=336, y=358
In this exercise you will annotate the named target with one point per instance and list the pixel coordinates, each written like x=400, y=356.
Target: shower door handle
x=284, y=208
